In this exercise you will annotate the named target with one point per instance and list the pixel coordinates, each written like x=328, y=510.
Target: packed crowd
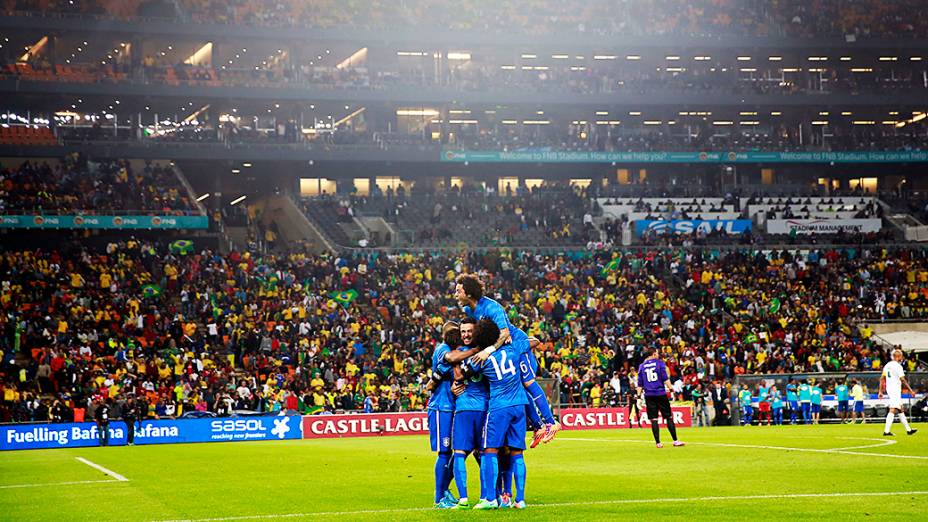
x=218, y=333
x=484, y=216
x=703, y=18
x=75, y=185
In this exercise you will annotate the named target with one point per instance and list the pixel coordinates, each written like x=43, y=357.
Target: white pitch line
x=839, y=451
x=109, y=472
x=568, y=504
x=11, y=486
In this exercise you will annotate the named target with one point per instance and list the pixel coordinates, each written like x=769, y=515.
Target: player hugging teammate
x=485, y=398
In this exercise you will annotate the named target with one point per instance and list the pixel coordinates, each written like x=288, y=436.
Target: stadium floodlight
x=204, y=196
x=889, y=58
x=916, y=58
x=775, y=58
x=459, y=55
x=238, y=200
x=529, y=56
x=246, y=165
x=560, y=56
x=744, y=58
x=604, y=57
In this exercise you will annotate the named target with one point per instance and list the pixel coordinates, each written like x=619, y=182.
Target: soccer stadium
x=380, y=260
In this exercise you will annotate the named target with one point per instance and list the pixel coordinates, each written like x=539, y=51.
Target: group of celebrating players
x=485, y=399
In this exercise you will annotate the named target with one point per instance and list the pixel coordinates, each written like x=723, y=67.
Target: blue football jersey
x=489, y=308
x=505, y=383
x=476, y=394
x=442, y=399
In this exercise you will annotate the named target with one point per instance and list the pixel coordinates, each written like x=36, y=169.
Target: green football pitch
x=795, y=472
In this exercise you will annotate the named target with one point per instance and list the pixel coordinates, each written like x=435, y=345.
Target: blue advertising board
x=688, y=226
x=221, y=429
x=104, y=222
x=549, y=156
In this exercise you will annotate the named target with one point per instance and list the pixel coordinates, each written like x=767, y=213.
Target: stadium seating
x=26, y=135
x=714, y=315
x=74, y=185
x=702, y=18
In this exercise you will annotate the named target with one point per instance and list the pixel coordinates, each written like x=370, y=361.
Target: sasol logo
x=237, y=425
x=281, y=427
x=690, y=226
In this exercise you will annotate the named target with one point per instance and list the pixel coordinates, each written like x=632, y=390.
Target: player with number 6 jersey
x=506, y=424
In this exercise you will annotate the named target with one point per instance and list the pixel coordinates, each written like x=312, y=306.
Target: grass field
x=797, y=472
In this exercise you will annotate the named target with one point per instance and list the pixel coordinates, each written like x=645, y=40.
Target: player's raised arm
x=457, y=356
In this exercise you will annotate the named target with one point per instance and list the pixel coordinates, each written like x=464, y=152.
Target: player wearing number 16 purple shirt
x=653, y=380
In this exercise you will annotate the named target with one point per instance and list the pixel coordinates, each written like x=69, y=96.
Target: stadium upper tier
x=77, y=186
x=701, y=18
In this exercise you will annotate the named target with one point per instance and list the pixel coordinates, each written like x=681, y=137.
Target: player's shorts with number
x=440, y=424
x=468, y=430
x=505, y=427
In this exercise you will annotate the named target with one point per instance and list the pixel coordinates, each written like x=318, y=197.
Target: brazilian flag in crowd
x=151, y=291
x=344, y=297
x=613, y=265
x=182, y=247
x=774, y=305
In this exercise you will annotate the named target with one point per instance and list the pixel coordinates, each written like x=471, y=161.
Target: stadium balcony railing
x=582, y=251
x=91, y=212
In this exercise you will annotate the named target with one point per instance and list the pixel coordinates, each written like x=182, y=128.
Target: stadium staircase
x=906, y=226
x=293, y=225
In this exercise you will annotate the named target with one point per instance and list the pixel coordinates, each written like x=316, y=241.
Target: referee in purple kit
x=653, y=380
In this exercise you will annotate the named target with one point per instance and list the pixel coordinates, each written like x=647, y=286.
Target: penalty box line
x=74, y=482
x=569, y=504
x=834, y=451
x=98, y=467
